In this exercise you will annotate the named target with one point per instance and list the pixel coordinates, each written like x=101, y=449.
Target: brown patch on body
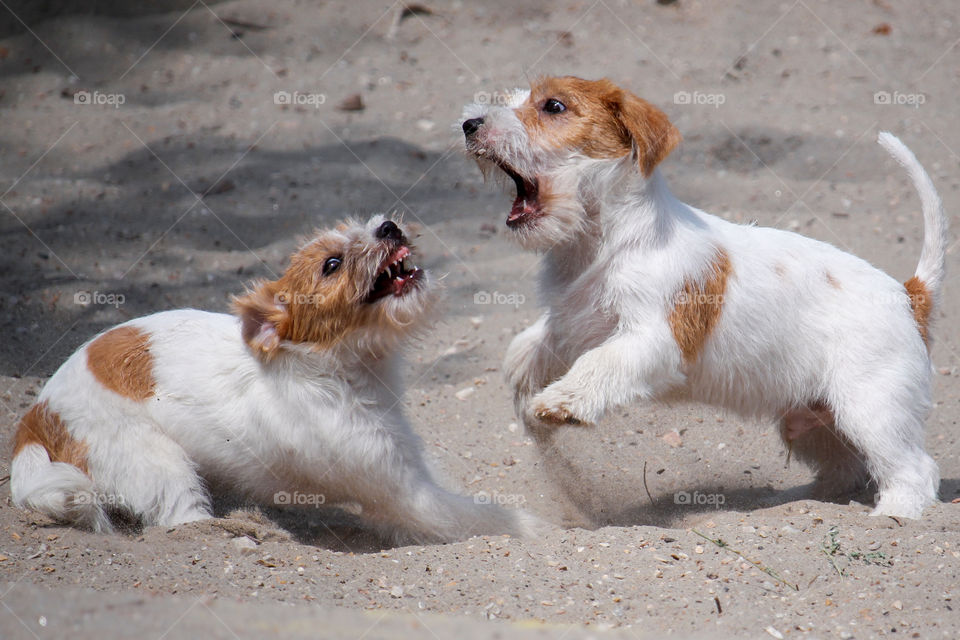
x=44, y=427
x=698, y=307
x=833, y=282
x=601, y=120
x=922, y=304
x=120, y=359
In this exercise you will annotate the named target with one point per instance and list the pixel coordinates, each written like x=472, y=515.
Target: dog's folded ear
x=654, y=136
x=264, y=318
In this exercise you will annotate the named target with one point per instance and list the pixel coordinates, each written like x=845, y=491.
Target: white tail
x=56, y=489
x=930, y=269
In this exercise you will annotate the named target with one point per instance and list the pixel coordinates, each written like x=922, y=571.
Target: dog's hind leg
x=149, y=475
x=882, y=420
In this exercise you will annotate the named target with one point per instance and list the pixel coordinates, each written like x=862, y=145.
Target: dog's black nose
x=389, y=230
x=470, y=126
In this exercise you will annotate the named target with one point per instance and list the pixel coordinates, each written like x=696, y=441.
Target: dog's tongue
x=520, y=209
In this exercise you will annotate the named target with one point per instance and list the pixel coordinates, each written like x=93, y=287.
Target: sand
x=176, y=179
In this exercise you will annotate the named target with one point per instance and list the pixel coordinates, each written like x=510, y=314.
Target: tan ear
x=654, y=136
x=264, y=319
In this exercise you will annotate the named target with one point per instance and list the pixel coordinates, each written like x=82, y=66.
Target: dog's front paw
x=557, y=409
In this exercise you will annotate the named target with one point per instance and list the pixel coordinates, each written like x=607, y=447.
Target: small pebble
x=245, y=544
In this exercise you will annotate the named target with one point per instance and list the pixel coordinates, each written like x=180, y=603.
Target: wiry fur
x=800, y=331
x=300, y=393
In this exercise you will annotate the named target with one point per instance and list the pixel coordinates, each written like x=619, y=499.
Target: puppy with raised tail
x=648, y=297
x=297, y=395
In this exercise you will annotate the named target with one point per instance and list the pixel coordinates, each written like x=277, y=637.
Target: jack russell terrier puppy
x=295, y=399
x=648, y=297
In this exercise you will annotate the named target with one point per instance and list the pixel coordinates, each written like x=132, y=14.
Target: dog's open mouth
x=396, y=276
x=526, y=207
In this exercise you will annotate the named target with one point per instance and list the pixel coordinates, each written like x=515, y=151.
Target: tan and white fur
x=297, y=392
x=648, y=297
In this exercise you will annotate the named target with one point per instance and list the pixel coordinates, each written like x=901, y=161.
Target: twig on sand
x=767, y=570
x=645, y=488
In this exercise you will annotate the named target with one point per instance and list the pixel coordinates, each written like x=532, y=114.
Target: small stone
x=773, y=632
x=672, y=438
x=352, y=103
x=897, y=605
x=425, y=125
x=396, y=592
x=465, y=393
x=512, y=427
x=476, y=321
x=244, y=544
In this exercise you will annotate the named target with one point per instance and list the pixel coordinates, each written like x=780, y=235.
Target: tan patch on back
x=120, y=359
x=833, y=282
x=44, y=427
x=698, y=308
x=922, y=304
x=601, y=121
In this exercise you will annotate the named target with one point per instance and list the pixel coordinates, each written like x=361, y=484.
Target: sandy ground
x=198, y=182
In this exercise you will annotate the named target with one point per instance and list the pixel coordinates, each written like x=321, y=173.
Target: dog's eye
x=331, y=265
x=554, y=106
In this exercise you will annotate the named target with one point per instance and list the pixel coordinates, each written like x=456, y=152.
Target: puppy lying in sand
x=649, y=297
x=296, y=398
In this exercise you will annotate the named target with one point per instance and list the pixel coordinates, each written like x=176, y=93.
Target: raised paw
x=553, y=409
